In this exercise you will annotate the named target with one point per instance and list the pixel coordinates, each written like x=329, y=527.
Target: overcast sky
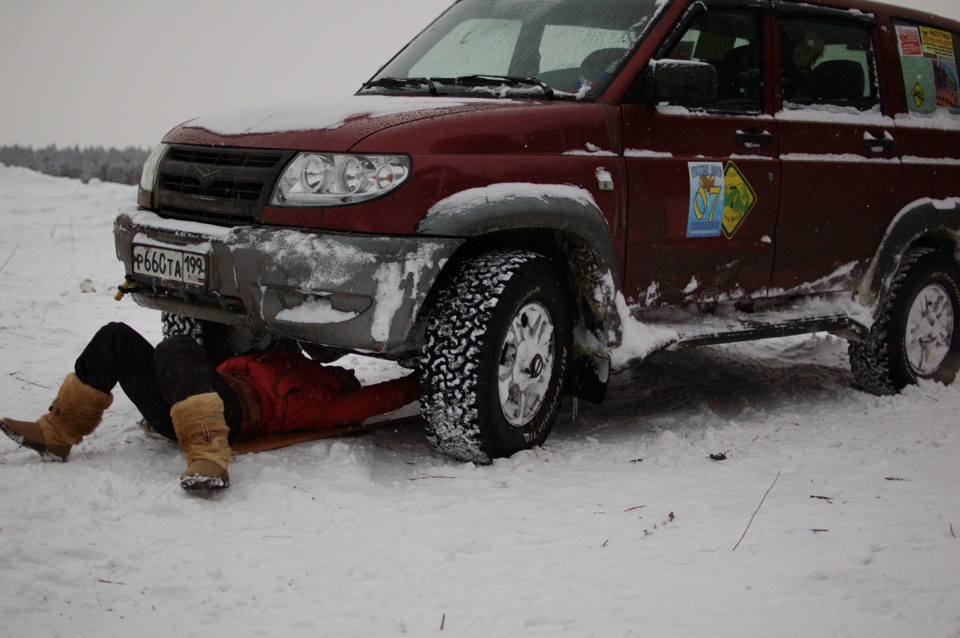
x=123, y=72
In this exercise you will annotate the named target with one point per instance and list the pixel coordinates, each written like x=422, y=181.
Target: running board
x=709, y=331
x=674, y=330
x=659, y=329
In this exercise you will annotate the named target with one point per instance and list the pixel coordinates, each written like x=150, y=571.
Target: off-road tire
x=221, y=341
x=175, y=325
x=881, y=362
x=468, y=336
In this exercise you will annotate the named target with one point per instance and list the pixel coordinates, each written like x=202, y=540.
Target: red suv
x=533, y=193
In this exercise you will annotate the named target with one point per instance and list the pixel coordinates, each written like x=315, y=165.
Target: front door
x=704, y=179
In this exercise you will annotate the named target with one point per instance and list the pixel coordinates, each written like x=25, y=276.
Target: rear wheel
x=497, y=353
x=915, y=335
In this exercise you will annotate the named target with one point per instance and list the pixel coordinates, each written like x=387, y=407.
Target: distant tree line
x=106, y=164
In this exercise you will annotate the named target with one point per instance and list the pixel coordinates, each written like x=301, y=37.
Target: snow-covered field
x=621, y=526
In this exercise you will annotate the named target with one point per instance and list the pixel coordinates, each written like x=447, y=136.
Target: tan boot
x=75, y=413
x=202, y=433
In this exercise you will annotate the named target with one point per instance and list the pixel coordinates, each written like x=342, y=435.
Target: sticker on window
x=918, y=95
x=938, y=47
x=929, y=65
x=937, y=44
x=909, y=39
x=945, y=79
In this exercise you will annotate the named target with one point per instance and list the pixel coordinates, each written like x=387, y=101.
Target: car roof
x=879, y=8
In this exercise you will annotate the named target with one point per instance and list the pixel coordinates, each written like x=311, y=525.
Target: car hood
x=334, y=125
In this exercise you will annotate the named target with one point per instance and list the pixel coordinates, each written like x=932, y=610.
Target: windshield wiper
x=494, y=80
x=400, y=83
x=460, y=80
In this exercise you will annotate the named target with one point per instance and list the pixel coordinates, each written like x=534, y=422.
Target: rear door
x=842, y=181
x=704, y=178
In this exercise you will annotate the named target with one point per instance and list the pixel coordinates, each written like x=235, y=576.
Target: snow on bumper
x=352, y=291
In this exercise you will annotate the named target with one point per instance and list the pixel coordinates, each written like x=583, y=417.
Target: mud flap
x=590, y=377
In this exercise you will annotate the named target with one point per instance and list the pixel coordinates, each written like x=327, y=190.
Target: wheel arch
x=571, y=230
x=923, y=224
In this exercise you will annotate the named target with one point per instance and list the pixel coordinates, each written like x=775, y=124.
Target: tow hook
x=128, y=285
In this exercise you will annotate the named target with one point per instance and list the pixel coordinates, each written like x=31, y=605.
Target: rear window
x=928, y=60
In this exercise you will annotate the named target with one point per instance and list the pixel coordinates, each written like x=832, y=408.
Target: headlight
x=327, y=179
x=149, y=175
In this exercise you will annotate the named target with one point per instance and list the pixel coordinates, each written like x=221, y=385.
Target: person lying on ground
x=203, y=404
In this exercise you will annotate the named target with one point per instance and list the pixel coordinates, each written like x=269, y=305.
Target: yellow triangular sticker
x=738, y=200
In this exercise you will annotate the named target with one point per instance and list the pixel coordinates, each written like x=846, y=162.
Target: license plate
x=174, y=268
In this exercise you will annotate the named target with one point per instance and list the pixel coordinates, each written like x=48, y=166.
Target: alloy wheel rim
x=930, y=327
x=526, y=364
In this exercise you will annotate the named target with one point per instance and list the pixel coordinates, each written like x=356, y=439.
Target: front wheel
x=496, y=356
x=915, y=335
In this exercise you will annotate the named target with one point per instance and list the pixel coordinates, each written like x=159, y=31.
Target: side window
x=928, y=59
x=732, y=42
x=574, y=57
x=564, y=46
x=827, y=63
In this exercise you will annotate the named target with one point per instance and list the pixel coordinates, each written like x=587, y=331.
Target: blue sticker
x=706, y=199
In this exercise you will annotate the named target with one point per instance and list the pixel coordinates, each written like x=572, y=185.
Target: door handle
x=754, y=140
x=879, y=144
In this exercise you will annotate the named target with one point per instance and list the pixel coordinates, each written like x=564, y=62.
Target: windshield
x=565, y=47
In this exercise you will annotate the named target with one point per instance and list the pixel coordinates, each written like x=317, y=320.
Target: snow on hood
x=326, y=114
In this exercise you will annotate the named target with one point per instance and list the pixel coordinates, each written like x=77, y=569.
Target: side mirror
x=684, y=82
x=678, y=82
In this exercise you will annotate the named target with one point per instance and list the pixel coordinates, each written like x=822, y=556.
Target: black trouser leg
x=152, y=379
x=118, y=354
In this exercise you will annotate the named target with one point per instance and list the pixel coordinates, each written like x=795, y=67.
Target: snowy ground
x=620, y=526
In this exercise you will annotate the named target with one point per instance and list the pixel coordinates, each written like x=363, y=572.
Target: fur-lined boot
x=202, y=433
x=75, y=413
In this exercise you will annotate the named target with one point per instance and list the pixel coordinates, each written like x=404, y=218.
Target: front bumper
x=359, y=292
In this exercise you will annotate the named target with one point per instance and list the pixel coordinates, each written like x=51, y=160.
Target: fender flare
x=936, y=220
x=569, y=209
x=479, y=211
